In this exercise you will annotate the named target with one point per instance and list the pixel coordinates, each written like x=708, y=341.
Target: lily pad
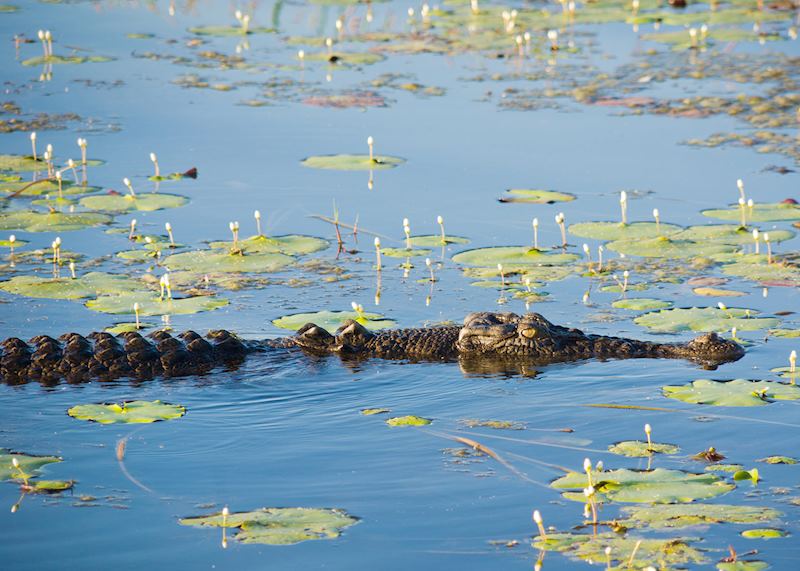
x=751, y=475
x=764, y=533
x=405, y=253
x=132, y=412
x=332, y=320
x=409, y=420
x=779, y=460
x=88, y=285
x=512, y=256
x=728, y=468
x=371, y=411
x=669, y=247
x=685, y=515
x=763, y=272
x=435, y=240
x=729, y=234
x=290, y=245
x=536, y=196
x=639, y=449
x=705, y=319
x=150, y=304
x=790, y=333
x=33, y=221
x=215, y=261
x=125, y=202
x=352, y=162
x=717, y=292
x=31, y=465
x=629, y=552
x=280, y=526
x=738, y=392
x=770, y=212
x=641, y=304
x=71, y=60
x=46, y=187
x=128, y=327
x=228, y=31
x=659, y=486
x=51, y=486
x=26, y=163
x=620, y=231
x=346, y=58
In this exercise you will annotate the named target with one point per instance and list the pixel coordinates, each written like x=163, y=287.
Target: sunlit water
x=289, y=432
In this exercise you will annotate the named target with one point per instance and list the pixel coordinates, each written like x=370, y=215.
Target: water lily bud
x=370, y=141
x=232, y=226
x=741, y=202
x=648, y=429
x=766, y=236
x=586, y=249
x=552, y=35
x=70, y=163
x=168, y=226
x=439, y=220
x=58, y=176
x=238, y=14
x=12, y=238
x=500, y=268
x=57, y=241
x=608, y=549
x=50, y=149
x=33, y=136
x=377, y=242
x=588, y=491
x=537, y=517
x=755, y=234
x=136, y=306
x=354, y=305
x=655, y=212
x=48, y=36
x=733, y=332
x=329, y=42
x=635, y=5
x=15, y=462
x=428, y=262
x=148, y=240
x=722, y=306
x=623, y=197
x=750, y=203
x=40, y=33
x=587, y=465
x=225, y=511
x=411, y=12
x=301, y=54
x=625, y=274
x=600, y=466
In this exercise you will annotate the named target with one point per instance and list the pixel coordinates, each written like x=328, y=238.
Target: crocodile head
x=508, y=334
x=710, y=349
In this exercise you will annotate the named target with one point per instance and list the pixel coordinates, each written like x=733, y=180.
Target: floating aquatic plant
x=409, y=420
x=705, y=319
x=131, y=412
x=332, y=320
x=88, y=285
x=536, y=196
x=151, y=304
x=738, y=392
x=352, y=162
x=688, y=515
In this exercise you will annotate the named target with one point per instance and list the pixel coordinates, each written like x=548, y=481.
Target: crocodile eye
x=530, y=332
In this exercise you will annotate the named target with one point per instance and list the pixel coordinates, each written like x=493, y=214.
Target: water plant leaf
x=778, y=460
x=118, y=328
x=731, y=468
x=741, y=565
x=729, y=234
x=131, y=412
x=669, y=247
x=659, y=486
x=346, y=58
x=409, y=420
x=685, y=515
x=717, y=292
x=71, y=60
x=791, y=333
x=150, y=304
x=435, y=240
x=760, y=212
x=757, y=269
x=206, y=261
x=641, y=304
x=33, y=221
x=630, y=552
x=742, y=475
x=513, y=257
x=495, y=424
x=146, y=202
x=31, y=465
x=705, y=319
x=17, y=243
x=293, y=244
x=405, y=253
x=764, y=533
x=332, y=320
x=371, y=411
x=51, y=486
x=228, y=31
x=26, y=163
x=639, y=449
x=352, y=162
x=738, y=392
x=45, y=187
x=536, y=196
x=280, y=526
x=619, y=231
x=88, y=285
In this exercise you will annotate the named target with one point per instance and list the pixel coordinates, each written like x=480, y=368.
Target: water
x=289, y=433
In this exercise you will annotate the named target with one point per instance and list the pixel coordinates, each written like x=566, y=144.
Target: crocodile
x=484, y=337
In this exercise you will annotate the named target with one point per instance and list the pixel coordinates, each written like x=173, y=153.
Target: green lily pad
x=33, y=221
x=150, y=304
x=8, y=8
x=371, y=411
x=132, y=412
x=705, y=319
x=790, y=333
x=26, y=163
x=17, y=243
x=769, y=212
x=118, y=328
x=761, y=271
x=71, y=60
x=346, y=58
x=741, y=565
x=125, y=202
x=31, y=465
x=52, y=486
x=659, y=486
x=728, y=468
x=409, y=420
x=435, y=240
x=512, y=256
x=213, y=261
x=494, y=424
x=685, y=515
x=630, y=552
x=764, y=533
x=405, y=253
x=88, y=285
x=616, y=288
x=290, y=245
x=639, y=449
x=228, y=31
x=738, y=392
x=280, y=526
x=669, y=247
x=620, y=231
x=46, y=187
x=641, y=304
x=779, y=460
x=332, y=320
x=536, y=196
x=751, y=475
x=352, y=162
x=729, y=234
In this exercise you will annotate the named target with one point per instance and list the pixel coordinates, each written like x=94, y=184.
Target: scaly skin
x=486, y=342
